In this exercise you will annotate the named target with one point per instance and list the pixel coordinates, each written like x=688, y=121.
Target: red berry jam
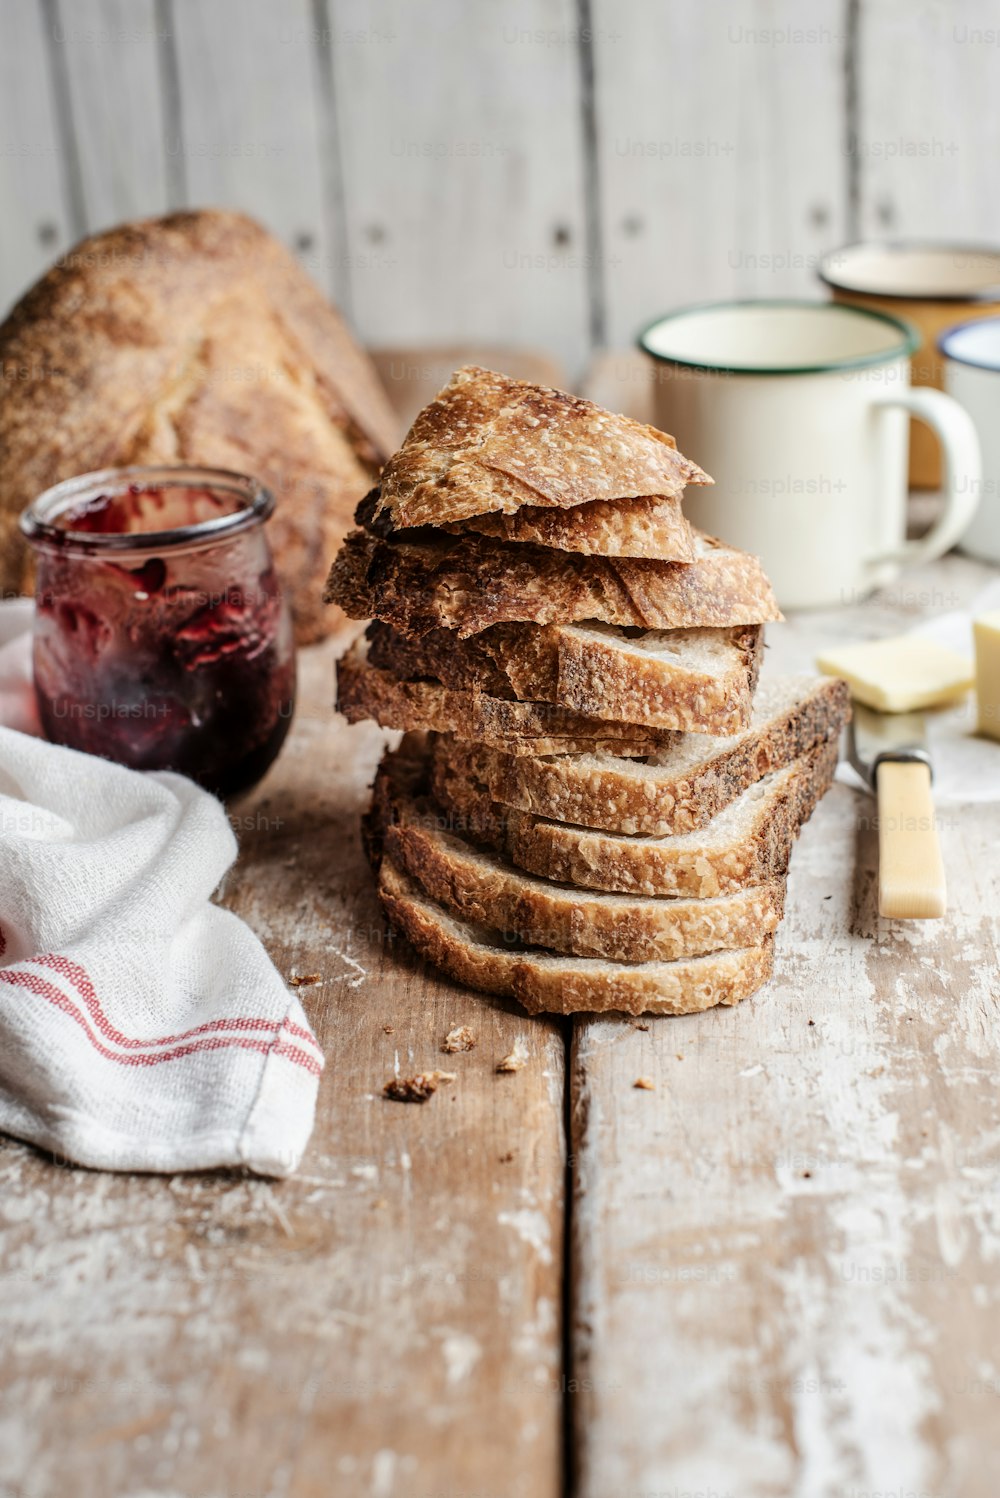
x=161, y=639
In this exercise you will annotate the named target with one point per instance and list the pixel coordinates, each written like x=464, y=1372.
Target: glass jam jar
x=161, y=637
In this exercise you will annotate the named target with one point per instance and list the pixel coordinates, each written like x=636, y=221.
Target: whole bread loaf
x=194, y=338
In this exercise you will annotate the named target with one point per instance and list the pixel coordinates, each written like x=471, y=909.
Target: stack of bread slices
x=593, y=805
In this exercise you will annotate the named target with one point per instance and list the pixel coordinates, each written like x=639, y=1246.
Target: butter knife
x=889, y=752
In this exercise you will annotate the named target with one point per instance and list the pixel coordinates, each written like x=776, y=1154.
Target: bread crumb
x=416, y=1089
x=389, y=1029
x=515, y=1059
x=645, y=1084
x=507, y=1158
x=458, y=1038
x=637, y=1026
x=303, y=980
x=679, y=1055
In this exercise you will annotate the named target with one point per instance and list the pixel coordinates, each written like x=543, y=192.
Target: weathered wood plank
x=250, y=133
x=721, y=161
x=388, y=1321
x=36, y=211
x=786, y=1255
x=929, y=120
x=111, y=49
x=462, y=172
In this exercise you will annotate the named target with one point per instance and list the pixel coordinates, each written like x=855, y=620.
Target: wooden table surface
x=777, y=1273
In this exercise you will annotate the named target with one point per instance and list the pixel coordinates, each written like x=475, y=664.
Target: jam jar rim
x=36, y=520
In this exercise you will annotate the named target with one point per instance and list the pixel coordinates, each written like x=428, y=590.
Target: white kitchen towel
x=141, y=1026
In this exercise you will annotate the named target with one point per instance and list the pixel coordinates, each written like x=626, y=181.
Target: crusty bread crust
x=483, y=888
x=515, y=727
x=194, y=338
x=704, y=684
x=551, y=983
x=654, y=528
x=468, y=583
x=489, y=443
x=752, y=845
x=682, y=789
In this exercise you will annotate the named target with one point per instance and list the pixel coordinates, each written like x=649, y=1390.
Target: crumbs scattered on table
x=304, y=980
x=458, y=1038
x=639, y=1025
x=416, y=1089
x=507, y=1158
x=679, y=1055
x=515, y=1059
x=645, y=1084
x=389, y=1029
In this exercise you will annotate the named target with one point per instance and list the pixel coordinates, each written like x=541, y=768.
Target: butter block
x=986, y=633
x=901, y=675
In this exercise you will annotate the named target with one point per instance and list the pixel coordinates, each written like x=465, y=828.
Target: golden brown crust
x=679, y=794
x=194, y=338
x=364, y=691
x=655, y=528
x=489, y=443
x=547, y=982
x=468, y=583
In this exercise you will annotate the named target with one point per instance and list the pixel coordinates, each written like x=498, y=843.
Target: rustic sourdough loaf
x=680, y=786
x=548, y=982
x=194, y=338
x=468, y=583
x=490, y=443
x=748, y=842
x=479, y=886
x=364, y=691
x=694, y=680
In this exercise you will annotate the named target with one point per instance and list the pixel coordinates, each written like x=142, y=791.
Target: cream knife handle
x=910, y=871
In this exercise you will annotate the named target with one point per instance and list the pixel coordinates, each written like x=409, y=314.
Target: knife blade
x=889, y=752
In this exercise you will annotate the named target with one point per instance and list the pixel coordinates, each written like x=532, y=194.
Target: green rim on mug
x=909, y=338
x=986, y=292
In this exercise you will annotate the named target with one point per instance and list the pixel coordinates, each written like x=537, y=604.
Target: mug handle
x=956, y=431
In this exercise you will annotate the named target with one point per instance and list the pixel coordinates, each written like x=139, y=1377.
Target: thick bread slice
x=468, y=583
x=653, y=527
x=547, y=982
x=602, y=527
x=749, y=841
x=364, y=691
x=488, y=442
x=688, y=680
x=677, y=789
x=482, y=887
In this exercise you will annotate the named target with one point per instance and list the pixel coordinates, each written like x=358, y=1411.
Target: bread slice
x=489, y=443
x=688, y=680
x=748, y=842
x=548, y=982
x=479, y=886
x=468, y=583
x=650, y=527
x=364, y=691
x=681, y=786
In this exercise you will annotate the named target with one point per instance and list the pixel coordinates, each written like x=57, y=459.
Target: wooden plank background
x=543, y=172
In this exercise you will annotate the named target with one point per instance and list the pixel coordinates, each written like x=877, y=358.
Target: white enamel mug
x=971, y=354
x=800, y=412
